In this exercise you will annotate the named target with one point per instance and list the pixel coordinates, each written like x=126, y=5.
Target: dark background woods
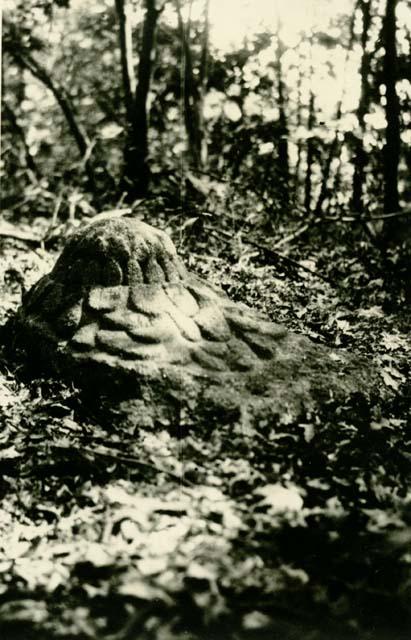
x=108, y=103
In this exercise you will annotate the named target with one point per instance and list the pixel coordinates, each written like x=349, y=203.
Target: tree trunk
x=297, y=183
x=283, y=159
x=191, y=95
x=203, y=78
x=392, y=110
x=310, y=156
x=136, y=176
x=126, y=54
x=335, y=146
x=360, y=157
x=324, y=191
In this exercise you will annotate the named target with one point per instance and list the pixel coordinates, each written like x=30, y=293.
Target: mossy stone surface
x=121, y=316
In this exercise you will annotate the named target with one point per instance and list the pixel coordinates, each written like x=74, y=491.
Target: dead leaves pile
x=285, y=530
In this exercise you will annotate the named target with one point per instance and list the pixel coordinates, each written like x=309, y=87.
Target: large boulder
x=120, y=315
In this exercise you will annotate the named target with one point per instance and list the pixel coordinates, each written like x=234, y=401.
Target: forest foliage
x=112, y=101
x=280, y=165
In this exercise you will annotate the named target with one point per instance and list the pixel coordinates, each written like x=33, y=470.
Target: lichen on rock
x=121, y=316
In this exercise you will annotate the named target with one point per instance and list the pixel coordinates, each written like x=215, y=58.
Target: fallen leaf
x=280, y=498
x=256, y=620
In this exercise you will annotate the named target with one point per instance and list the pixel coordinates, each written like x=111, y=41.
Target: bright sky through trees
x=232, y=20
x=333, y=74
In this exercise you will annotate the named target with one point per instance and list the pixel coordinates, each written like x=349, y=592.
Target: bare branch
x=18, y=130
x=27, y=61
x=293, y=236
x=273, y=255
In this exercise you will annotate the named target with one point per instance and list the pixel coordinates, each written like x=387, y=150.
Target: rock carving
x=122, y=316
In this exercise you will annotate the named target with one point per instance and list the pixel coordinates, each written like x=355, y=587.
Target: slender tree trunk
x=191, y=95
x=310, y=155
x=297, y=184
x=136, y=165
x=283, y=158
x=392, y=110
x=127, y=58
x=360, y=157
x=335, y=146
x=203, y=78
x=332, y=153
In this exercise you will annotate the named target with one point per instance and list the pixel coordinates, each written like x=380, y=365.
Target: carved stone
x=120, y=315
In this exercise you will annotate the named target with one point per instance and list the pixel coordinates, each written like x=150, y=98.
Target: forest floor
x=300, y=530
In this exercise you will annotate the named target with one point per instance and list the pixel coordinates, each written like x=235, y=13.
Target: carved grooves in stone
x=167, y=324
x=163, y=324
x=123, y=252
x=121, y=296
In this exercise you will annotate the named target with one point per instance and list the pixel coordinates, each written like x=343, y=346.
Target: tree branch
x=274, y=255
x=280, y=257
x=27, y=61
x=18, y=130
x=293, y=236
x=112, y=454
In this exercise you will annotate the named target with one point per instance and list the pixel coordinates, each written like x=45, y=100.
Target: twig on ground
x=8, y=230
x=293, y=236
x=119, y=457
x=294, y=263
x=277, y=256
x=364, y=218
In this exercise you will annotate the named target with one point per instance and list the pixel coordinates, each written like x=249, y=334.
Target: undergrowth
x=207, y=530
